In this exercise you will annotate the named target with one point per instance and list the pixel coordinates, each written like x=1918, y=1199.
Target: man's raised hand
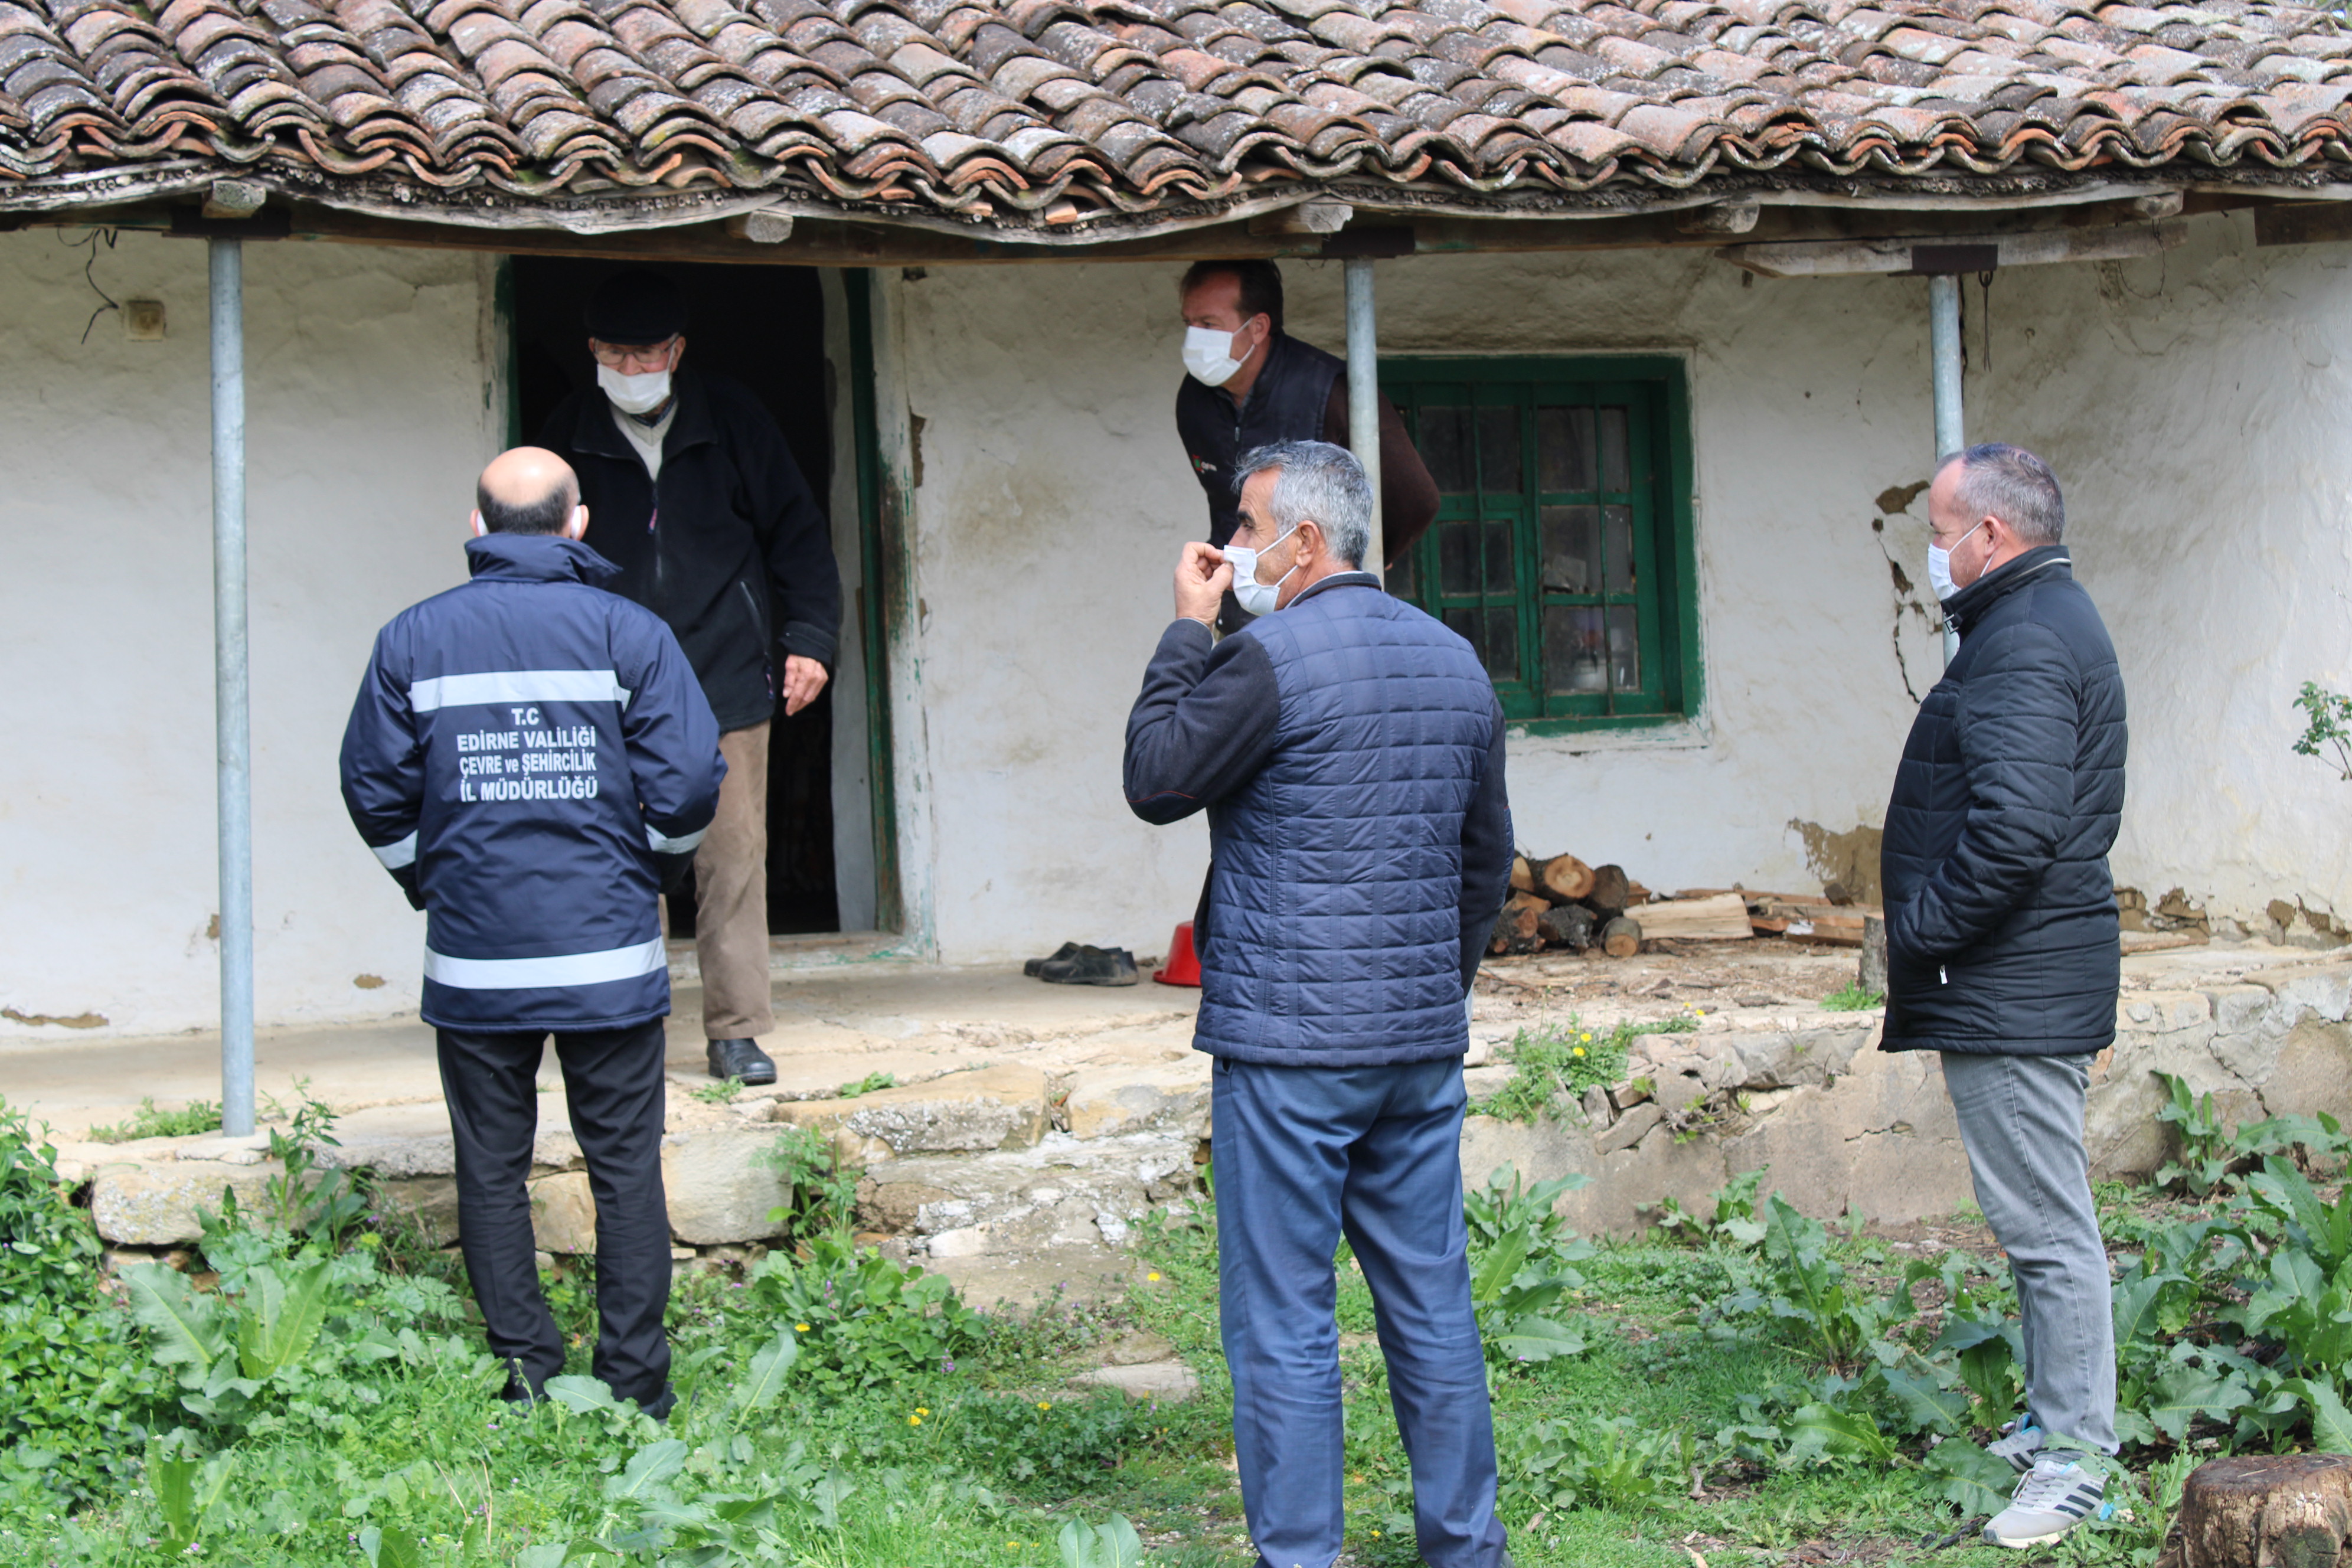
x=1203, y=576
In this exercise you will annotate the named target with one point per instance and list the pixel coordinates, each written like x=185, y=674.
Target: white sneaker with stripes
x=2054, y=1497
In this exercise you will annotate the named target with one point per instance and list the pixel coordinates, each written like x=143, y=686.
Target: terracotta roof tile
x=1059, y=111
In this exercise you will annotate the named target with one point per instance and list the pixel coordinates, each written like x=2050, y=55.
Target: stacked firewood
x=1560, y=902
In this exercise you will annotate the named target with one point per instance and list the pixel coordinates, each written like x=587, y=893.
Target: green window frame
x=1563, y=547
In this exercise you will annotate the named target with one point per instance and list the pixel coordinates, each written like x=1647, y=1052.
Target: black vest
x=1285, y=404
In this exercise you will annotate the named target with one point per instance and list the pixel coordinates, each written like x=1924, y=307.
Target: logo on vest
x=1202, y=466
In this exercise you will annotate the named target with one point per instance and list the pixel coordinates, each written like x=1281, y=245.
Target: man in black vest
x=1250, y=385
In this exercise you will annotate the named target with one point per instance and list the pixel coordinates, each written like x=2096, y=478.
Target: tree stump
x=1515, y=929
x=1873, y=954
x=2267, y=1510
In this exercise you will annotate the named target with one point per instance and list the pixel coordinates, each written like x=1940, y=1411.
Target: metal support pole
x=1364, y=390
x=233, y=730
x=1944, y=347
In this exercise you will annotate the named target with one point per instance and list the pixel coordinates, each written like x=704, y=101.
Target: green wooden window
x=1562, y=545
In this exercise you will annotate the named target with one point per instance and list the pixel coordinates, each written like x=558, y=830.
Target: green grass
x=1852, y=998
x=197, y=1116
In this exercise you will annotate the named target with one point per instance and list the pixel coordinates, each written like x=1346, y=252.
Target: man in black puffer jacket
x=2003, y=949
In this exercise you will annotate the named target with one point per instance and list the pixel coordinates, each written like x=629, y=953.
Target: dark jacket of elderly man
x=2002, y=951
x=1348, y=750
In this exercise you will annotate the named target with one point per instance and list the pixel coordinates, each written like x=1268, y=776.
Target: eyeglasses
x=640, y=357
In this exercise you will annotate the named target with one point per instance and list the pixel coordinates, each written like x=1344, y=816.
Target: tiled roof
x=1034, y=111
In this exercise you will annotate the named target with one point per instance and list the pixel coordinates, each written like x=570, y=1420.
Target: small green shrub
x=862, y=1320
x=76, y=1399
x=2330, y=725
x=1733, y=1222
x=824, y=1191
x=1549, y=1466
x=867, y=1085
x=1852, y=998
x=199, y=1116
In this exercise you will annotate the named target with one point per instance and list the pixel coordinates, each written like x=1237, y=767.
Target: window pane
x=1616, y=470
x=1499, y=450
x=1620, y=548
x=1565, y=459
x=1500, y=576
x=1571, y=541
x=1457, y=558
x=1494, y=635
x=1624, y=648
x=1503, y=644
x=1404, y=582
x=1572, y=635
x=1444, y=445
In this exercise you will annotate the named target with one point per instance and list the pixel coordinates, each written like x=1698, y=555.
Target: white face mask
x=1209, y=355
x=1256, y=598
x=1940, y=566
x=633, y=393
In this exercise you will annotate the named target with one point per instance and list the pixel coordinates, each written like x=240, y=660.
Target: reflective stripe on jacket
x=522, y=751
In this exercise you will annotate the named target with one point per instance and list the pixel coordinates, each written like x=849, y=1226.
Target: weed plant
x=1852, y=997
x=1566, y=1060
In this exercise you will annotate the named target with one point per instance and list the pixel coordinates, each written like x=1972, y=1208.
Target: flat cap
x=635, y=307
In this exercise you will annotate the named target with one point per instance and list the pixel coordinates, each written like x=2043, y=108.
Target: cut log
x=1622, y=938
x=1723, y=918
x=1831, y=931
x=1565, y=877
x=1611, y=890
x=1523, y=875
x=1569, y=925
x=1515, y=927
x=1637, y=895
x=2290, y=1511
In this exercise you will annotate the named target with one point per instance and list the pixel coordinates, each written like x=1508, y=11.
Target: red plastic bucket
x=1183, y=967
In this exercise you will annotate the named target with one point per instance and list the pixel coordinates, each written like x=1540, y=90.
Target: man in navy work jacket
x=1348, y=750
x=695, y=497
x=530, y=757
x=2002, y=950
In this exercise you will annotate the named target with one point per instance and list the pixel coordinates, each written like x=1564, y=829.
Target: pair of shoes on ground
x=741, y=1060
x=1073, y=964
x=2055, y=1493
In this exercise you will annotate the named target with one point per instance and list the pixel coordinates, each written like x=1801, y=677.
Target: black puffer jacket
x=2001, y=933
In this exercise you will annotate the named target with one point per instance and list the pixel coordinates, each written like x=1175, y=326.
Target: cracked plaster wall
x=368, y=416
x=2189, y=404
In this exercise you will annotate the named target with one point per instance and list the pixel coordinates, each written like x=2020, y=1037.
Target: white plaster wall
x=2189, y=404
x=368, y=418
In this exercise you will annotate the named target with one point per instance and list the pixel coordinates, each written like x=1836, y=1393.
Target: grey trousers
x=2021, y=1121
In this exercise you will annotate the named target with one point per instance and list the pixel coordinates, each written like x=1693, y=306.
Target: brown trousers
x=731, y=895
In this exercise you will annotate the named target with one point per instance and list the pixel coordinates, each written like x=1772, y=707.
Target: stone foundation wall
x=1011, y=1176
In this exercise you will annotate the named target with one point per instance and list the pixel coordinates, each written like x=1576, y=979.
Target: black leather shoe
x=1062, y=954
x=741, y=1060
x=1092, y=966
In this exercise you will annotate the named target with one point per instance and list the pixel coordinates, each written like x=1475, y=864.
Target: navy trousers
x=1303, y=1155
x=612, y=1084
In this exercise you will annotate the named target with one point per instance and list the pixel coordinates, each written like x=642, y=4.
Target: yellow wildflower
x=1154, y=1277
x=1044, y=1404
x=802, y=1328
x=914, y=1420
x=1577, y=1051
x=922, y=1410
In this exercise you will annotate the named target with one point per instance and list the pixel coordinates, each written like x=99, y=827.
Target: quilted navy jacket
x=526, y=754
x=2001, y=931
x=1348, y=750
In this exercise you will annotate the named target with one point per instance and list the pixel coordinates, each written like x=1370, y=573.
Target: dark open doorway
x=763, y=326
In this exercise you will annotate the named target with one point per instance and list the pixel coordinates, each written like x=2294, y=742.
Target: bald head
x=529, y=490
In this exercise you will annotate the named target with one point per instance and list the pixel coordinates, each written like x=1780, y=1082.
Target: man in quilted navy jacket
x=531, y=756
x=2002, y=950
x=1348, y=750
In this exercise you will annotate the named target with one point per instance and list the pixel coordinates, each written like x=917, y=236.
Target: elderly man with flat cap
x=531, y=759
x=694, y=496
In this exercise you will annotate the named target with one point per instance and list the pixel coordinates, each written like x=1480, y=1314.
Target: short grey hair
x=2014, y=485
x=1316, y=481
